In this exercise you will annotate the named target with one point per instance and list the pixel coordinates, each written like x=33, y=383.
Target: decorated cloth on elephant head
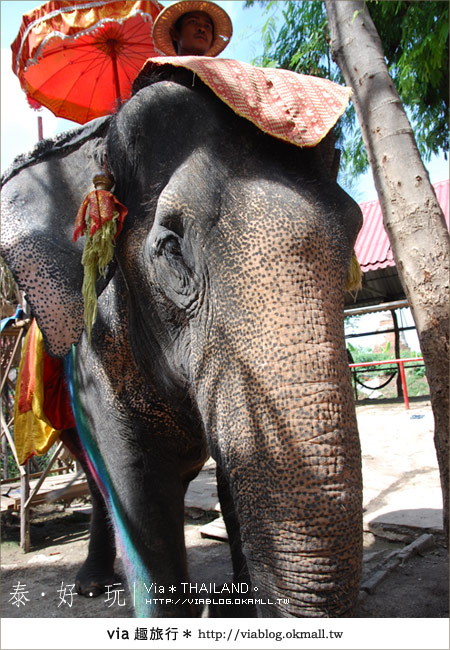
x=300, y=109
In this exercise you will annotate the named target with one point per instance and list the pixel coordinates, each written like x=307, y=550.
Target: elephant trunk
x=317, y=575
x=287, y=438
x=299, y=505
x=273, y=387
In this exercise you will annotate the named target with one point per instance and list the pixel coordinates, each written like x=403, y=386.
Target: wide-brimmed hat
x=223, y=28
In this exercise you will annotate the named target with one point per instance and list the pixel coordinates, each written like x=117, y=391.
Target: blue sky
x=19, y=131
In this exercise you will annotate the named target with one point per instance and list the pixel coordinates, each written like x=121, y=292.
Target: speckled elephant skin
x=219, y=330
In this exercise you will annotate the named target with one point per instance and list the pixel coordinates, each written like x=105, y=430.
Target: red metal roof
x=372, y=247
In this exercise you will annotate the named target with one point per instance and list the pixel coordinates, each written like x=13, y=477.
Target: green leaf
x=415, y=38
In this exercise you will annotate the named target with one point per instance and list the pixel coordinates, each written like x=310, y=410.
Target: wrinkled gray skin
x=220, y=329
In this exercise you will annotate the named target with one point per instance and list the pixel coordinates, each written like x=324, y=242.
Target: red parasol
x=79, y=59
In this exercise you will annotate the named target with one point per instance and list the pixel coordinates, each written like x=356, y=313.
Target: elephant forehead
x=176, y=198
x=267, y=216
x=167, y=113
x=202, y=189
x=256, y=226
x=274, y=252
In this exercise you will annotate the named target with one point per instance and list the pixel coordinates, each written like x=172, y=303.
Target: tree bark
x=411, y=212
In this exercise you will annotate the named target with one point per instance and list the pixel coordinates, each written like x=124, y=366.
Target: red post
x=40, y=129
x=405, y=390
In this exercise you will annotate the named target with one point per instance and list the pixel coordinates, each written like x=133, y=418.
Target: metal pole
x=397, y=351
x=24, y=512
x=399, y=362
x=405, y=390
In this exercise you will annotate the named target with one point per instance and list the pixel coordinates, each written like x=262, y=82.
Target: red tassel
x=102, y=206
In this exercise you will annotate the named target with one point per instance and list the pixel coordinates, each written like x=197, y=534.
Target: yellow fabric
x=354, y=275
x=33, y=433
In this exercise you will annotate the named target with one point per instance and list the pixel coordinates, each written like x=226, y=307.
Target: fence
x=401, y=367
x=19, y=493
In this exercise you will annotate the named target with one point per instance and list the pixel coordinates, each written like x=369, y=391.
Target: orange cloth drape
x=42, y=407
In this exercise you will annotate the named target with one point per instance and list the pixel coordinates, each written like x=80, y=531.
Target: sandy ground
x=397, y=581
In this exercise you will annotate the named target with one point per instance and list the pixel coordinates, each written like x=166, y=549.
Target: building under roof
x=382, y=288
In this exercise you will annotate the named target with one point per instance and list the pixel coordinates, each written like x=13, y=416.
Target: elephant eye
x=172, y=246
x=174, y=223
x=166, y=242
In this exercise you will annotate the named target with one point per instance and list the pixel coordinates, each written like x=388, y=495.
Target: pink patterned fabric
x=298, y=108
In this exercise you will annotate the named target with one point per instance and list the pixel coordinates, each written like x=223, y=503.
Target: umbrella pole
x=40, y=129
x=112, y=50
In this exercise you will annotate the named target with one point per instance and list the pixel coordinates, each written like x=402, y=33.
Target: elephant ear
x=40, y=199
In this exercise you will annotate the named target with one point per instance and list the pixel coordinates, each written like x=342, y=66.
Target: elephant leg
x=98, y=569
x=240, y=570
x=139, y=464
x=146, y=503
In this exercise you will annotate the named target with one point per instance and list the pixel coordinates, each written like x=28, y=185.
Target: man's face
x=195, y=35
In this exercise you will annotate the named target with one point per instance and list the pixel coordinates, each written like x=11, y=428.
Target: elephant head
x=239, y=261
x=233, y=257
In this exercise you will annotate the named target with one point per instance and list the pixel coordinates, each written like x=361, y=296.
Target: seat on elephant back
x=297, y=108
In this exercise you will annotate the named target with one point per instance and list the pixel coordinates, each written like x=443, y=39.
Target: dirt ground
x=397, y=581
x=416, y=588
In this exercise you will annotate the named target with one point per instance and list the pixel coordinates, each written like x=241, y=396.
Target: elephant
x=219, y=332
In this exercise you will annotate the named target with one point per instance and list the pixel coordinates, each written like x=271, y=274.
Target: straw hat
x=223, y=28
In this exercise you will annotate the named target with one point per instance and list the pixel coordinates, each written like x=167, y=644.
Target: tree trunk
x=412, y=216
